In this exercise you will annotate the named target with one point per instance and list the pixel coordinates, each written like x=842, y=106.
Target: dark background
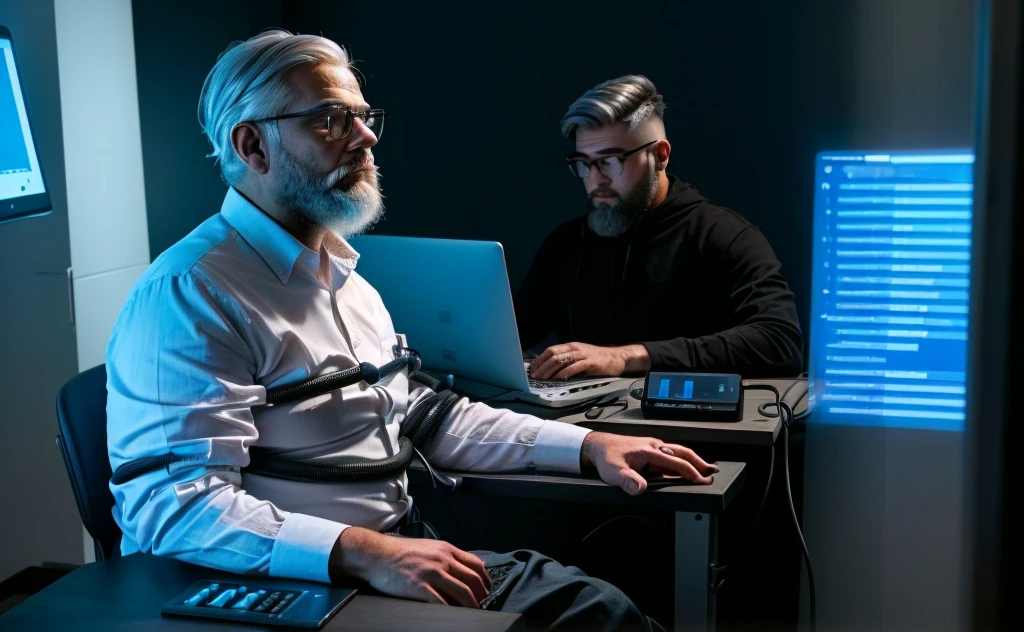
x=754, y=90
x=475, y=91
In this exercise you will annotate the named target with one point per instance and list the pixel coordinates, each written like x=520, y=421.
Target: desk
x=127, y=593
x=696, y=509
x=769, y=578
x=768, y=581
x=753, y=429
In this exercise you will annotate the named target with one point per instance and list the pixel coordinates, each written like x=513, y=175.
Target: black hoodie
x=695, y=283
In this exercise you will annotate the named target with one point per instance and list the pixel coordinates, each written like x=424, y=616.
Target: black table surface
x=685, y=497
x=753, y=429
x=127, y=593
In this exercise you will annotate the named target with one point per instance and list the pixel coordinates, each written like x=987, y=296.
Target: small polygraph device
x=692, y=396
x=263, y=601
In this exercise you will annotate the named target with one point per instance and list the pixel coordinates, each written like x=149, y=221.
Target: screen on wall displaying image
x=889, y=311
x=22, y=188
x=13, y=153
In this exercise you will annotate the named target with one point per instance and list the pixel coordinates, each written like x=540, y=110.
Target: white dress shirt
x=238, y=306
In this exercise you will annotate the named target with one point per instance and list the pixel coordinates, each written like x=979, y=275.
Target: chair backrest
x=82, y=419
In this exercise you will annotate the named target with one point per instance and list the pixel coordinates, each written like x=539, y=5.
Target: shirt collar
x=278, y=248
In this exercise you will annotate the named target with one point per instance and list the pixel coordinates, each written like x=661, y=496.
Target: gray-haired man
x=654, y=276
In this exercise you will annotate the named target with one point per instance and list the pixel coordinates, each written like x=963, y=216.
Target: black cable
x=635, y=392
x=329, y=469
x=455, y=520
x=418, y=430
x=447, y=482
x=364, y=372
x=807, y=410
x=138, y=467
x=436, y=384
x=762, y=409
x=783, y=409
x=796, y=521
x=729, y=569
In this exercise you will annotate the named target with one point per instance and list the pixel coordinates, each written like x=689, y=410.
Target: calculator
x=265, y=601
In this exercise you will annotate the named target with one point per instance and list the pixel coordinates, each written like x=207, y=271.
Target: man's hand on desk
x=424, y=570
x=618, y=460
x=563, y=361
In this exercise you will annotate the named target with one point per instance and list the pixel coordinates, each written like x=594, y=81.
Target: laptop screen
x=451, y=299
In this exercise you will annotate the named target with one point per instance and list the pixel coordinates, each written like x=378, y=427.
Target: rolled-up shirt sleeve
x=477, y=438
x=181, y=380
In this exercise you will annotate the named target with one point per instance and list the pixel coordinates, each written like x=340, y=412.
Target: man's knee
x=600, y=605
x=552, y=596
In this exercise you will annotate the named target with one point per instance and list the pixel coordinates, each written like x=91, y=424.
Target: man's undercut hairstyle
x=249, y=82
x=632, y=99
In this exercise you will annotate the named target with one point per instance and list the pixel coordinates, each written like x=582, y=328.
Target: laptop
x=451, y=300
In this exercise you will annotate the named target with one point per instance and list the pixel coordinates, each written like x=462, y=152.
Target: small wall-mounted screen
x=22, y=187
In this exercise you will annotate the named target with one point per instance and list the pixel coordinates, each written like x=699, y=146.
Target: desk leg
x=696, y=545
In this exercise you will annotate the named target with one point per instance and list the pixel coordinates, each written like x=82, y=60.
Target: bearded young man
x=654, y=277
x=264, y=294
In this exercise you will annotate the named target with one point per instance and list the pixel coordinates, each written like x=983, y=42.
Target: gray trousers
x=555, y=597
x=548, y=595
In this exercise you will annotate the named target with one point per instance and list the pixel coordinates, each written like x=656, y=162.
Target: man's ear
x=249, y=147
x=661, y=153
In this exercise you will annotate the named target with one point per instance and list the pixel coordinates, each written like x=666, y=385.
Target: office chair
x=82, y=421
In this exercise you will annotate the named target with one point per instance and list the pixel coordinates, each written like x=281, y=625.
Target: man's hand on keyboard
x=425, y=570
x=619, y=459
x=562, y=361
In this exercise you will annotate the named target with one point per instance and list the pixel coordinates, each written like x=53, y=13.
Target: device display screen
x=22, y=189
x=711, y=387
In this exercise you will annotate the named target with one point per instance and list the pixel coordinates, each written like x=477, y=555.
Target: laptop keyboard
x=556, y=384
x=550, y=383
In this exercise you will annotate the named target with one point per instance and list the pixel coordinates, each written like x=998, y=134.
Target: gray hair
x=248, y=82
x=632, y=99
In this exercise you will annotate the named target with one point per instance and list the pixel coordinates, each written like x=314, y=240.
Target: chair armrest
x=713, y=498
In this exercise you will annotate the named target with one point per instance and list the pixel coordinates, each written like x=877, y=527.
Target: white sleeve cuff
x=303, y=548
x=558, y=447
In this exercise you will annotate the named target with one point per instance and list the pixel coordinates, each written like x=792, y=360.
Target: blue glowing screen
x=890, y=283
x=13, y=153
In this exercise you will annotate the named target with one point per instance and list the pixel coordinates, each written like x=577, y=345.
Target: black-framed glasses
x=610, y=166
x=338, y=119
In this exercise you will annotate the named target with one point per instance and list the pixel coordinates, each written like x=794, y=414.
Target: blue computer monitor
x=889, y=311
x=22, y=187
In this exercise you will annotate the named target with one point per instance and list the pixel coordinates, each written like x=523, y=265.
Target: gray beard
x=609, y=220
x=314, y=198
x=613, y=220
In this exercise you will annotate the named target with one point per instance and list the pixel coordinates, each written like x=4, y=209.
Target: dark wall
x=754, y=90
x=476, y=89
x=176, y=44
x=37, y=342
